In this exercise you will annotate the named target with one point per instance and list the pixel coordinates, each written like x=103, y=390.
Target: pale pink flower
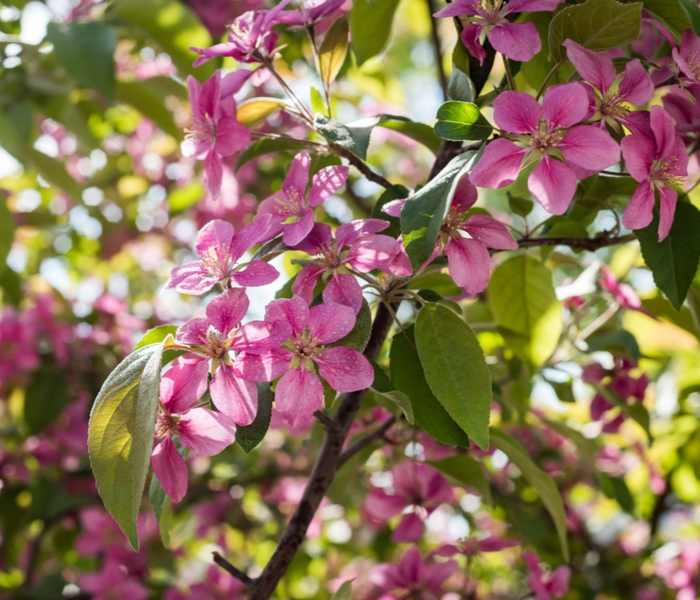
x=547, y=135
x=291, y=208
x=356, y=247
x=417, y=486
x=215, y=336
x=220, y=250
x=657, y=163
x=547, y=585
x=519, y=41
x=596, y=68
x=215, y=133
x=299, y=393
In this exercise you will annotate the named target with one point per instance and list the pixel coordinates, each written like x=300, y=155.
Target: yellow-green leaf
x=253, y=111
x=331, y=54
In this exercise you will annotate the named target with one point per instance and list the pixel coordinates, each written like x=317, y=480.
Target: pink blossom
x=299, y=393
x=545, y=133
x=598, y=69
x=311, y=12
x=113, y=581
x=472, y=546
x=468, y=258
x=657, y=163
x=547, y=585
x=250, y=39
x=519, y=41
x=220, y=250
x=356, y=247
x=215, y=336
x=688, y=57
x=417, y=486
x=215, y=133
x=204, y=431
x=291, y=208
x=623, y=293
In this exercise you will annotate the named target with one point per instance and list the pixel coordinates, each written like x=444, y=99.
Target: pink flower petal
x=326, y=183
x=294, y=311
x=469, y=264
x=465, y=196
x=296, y=231
x=195, y=89
x=437, y=573
x=348, y=233
x=183, y=383
x=490, y=232
x=409, y=529
x=531, y=6
x=494, y=544
x=345, y=290
x=459, y=7
x=381, y=506
x=595, y=67
x=305, y=282
x=345, y=369
x=667, y=208
x=638, y=151
x=517, y=41
x=233, y=396
x=233, y=82
x=250, y=235
x=207, y=432
x=405, y=480
x=298, y=176
x=214, y=239
x=210, y=95
x=170, y=469
x=411, y=567
x=371, y=252
x=257, y=337
x=214, y=172
x=393, y=208
x=191, y=278
x=262, y=367
x=500, y=164
x=228, y=309
x=589, y=147
x=470, y=38
x=636, y=86
x=299, y=393
x=231, y=136
x=664, y=131
x=330, y=322
x=559, y=581
x=517, y=112
x=553, y=184
x=193, y=331
x=565, y=104
x=319, y=237
x=257, y=273
x=640, y=210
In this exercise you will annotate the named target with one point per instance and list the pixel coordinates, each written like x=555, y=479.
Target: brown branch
x=365, y=441
x=360, y=165
x=590, y=244
x=235, y=572
x=435, y=34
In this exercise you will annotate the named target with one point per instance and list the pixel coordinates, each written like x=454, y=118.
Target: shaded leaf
x=383, y=387
x=353, y=137
x=250, y=436
x=670, y=14
x=692, y=11
x=370, y=23
x=45, y=398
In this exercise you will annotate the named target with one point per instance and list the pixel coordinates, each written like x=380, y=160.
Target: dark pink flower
x=688, y=57
x=657, y=163
x=519, y=41
x=310, y=12
x=598, y=69
x=291, y=208
x=215, y=132
x=623, y=293
x=215, y=336
x=417, y=486
x=220, y=250
x=547, y=585
x=299, y=393
x=113, y=581
x=547, y=134
x=356, y=247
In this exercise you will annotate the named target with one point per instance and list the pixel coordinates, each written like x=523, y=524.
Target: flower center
x=665, y=171
x=166, y=423
x=693, y=62
x=547, y=137
x=305, y=346
x=203, y=130
x=489, y=13
x=291, y=205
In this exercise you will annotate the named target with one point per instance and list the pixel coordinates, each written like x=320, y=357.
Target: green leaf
x=359, y=336
x=670, y=14
x=120, y=435
x=467, y=472
x=7, y=231
x=155, y=335
x=318, y=106
x=86, y=52
x=344, y=591
x=45, y=398
x=353, y=137
x=420, y=132
x=460, y=86
x=182, y=198
x=596, y=24
x=396, y=192
x=541, y=481
x=149, y=100
x=461, y=121
x=440, y=283
x=250, y=436
x=50, y=169
x=526, y=308
x=455, y=369
x=331, y=54
x=267, y=146
x=424, y=212
x=383, y=387
x=537, y=69
x=407, y=376
x=370, y=23
x=619, y=341
x=162, y=506
x=174, y=27
x=674, y=261
x=520, y=206
x=691, y=11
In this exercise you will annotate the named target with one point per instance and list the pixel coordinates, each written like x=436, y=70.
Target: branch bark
x=591, y=244
x=365, y=441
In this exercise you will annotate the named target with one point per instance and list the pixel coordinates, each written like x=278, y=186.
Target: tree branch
x=435, y=34
x=360, y=165
x=365, y=441
x=591, y=244
x=227, y=566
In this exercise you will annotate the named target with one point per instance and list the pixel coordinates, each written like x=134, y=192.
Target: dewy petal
x=205, y=431
x=667, y=208
x=255, y=274
x=589, y=147
x=193, y=331
x=214, y=239
x=330, y=322
x=214, y=172
x=326, y=183
x=262, y=367
x=183, y=383
x=305, y=283
x=343, y=289
x=257, y=337
x=409, y=529
x=638, y=152
x=235, y=397
x=516, y=112
x=299, y=393
x=640, y=210
x=349, y=233
x=500, y=164
x=231, y=136
x=191, y=278
x=470, y=38
x=553, y=184
x=469, y=264
x=298, y=176
x=228, y=309
x=564, y=104
x=319, y=237
x=294, y=311
x=595, y=67
x=371, y=252
x=170, y=469
x=517, y=41
x=636, y=86
x=250, y=235
x=345, y=369
x=295, y=232
x=490, y=232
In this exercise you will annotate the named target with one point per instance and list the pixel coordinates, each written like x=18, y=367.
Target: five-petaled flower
x=299, y=393
x=546, y=134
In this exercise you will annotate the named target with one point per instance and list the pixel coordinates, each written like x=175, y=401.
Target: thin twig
x=435, y=34
x=555, y=68
x=365, y=441
x=590, y=244
x=328, y=423
x=227, y=566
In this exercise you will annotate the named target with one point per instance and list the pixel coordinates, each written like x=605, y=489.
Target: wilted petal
x=516, y=112
x=257, y=337
x=589, y=147
x=170, y=469
x=262, y=367
x=564, y=104
x=638, y=152
x=255, y=274
x=595, y=67
x=345, y=369
x=553, y=184
x=490, y=232
x=183, y=383
x=517, y=41
x=469, y=264
x=305, y=283
x=191, y=278
x=640, y=210
x=326, y=183
x=345, y=290
x=636, y=86
x=231, y=137
x=348, y=233
x=205, y=431
x=233, y=396
x=296, y=231
x=667, y=208
x=299, y=393
x=330, y=322
x=371, y=252
x=409, y=529
x=228, y=309
x=500, y=164
x=294, y=311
